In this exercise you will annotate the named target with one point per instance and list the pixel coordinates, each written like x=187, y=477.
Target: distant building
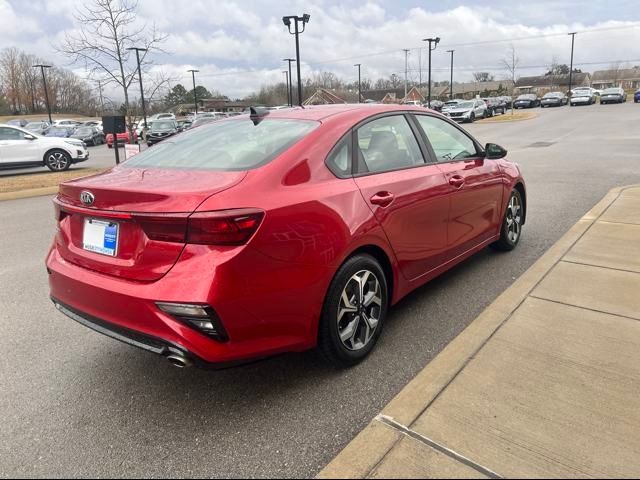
x=211, y=105
x=548, y=83
x=470, y=90
x=627, y=78
x=325, y=96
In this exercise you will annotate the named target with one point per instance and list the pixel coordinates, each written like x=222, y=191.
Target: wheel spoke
x=349, y=332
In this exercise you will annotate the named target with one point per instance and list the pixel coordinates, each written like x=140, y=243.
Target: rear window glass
x=225, y=145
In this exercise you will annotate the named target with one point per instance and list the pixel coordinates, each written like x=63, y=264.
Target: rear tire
x=354, y=312
x=57, y=160
x=511, y=231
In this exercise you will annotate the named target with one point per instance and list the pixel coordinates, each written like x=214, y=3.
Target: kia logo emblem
x=87, y=198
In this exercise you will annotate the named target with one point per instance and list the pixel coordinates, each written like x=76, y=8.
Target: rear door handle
x=383, y=199
x=457, y=181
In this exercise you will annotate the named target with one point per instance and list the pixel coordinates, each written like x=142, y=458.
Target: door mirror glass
x=494, y=152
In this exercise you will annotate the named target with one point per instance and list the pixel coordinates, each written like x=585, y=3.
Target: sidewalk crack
x=390, y=422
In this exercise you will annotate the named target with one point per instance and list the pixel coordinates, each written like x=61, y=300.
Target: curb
x=367, y=449
x=32, y=192
x=484, y=120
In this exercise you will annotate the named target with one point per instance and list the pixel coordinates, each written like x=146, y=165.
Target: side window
x=448, y=142
x=10, y=134
x=339, y=160
x=388, y=143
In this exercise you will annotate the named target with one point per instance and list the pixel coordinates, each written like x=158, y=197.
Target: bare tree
x=615, y=70
x=511, y=62
x=483, y=77
x=107, y=28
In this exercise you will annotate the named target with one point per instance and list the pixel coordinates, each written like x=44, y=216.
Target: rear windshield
x=226, y=145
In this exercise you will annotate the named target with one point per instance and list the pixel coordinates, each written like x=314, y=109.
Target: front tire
x=511, y=231
x=354, y=312
x=57, y=160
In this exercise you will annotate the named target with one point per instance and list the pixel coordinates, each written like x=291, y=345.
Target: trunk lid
x=128, y=200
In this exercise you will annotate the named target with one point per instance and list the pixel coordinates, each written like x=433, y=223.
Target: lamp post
x=286, y=82
x=46, y=93
x=451, y=82
x=195, y=94
x=144, y=108
x=359, y=65
x=406, y=72
x=573, y=39
x=289, y=60
x=304, y=19
x=431, y=41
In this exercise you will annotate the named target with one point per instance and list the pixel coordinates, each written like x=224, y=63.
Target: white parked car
x=66, y=123
x=20, y=148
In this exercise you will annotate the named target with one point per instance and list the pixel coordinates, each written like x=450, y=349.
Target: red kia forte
x=278, y=231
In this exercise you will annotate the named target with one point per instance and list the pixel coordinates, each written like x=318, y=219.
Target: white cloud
x=246, y=40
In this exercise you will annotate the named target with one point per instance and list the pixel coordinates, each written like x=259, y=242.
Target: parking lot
x=79, y=404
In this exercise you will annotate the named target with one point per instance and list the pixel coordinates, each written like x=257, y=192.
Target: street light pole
x=435, y=41
x=286, y=82
x=406, y=71
x=144, y=109
x=195, y=94
x=573, y=39
x=359, y=65
x=451, y=82
x=287, y=21
x=46, y=93
x=289, y=60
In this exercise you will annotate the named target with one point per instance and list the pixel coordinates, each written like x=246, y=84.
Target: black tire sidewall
x=504, y=233
x=67, y=156
x=329, y=341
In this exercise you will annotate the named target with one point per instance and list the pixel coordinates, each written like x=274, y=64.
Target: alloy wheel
x=359, y=310
x=514, y=219
x=57, y=161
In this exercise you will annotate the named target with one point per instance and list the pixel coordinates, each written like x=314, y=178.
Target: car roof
x=353, y=112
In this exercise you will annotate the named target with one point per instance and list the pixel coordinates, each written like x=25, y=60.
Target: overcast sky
x=248, y=37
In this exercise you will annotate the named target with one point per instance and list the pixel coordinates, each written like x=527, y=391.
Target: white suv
x=20, y=148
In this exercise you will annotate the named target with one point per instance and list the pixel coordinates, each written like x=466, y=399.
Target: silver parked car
x=554, y=99
x=38, y=127
x=613, y=95
x=467, y=111
x=582, y=96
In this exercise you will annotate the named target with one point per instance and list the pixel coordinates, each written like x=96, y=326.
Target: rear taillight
x=229, y=227
x=225, y=227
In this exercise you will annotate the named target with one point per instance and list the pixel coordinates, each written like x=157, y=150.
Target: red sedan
x=280, y=231
x=126, y=137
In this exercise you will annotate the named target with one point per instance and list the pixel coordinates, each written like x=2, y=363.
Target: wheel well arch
x=53, y=149
x=520, y=188
x=381, y=256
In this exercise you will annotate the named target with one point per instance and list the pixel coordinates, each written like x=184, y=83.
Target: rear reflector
x=224, y=227
x=200, y=317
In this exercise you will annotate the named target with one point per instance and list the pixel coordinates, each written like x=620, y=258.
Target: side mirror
x=494, y=152
x=29, y=137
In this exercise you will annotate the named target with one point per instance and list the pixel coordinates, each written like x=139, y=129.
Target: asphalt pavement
x=74, y=403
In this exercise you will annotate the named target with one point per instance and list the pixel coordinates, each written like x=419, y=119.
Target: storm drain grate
x=541, y=144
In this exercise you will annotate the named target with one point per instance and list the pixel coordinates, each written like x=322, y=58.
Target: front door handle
x=457, y=181
x=382, y=199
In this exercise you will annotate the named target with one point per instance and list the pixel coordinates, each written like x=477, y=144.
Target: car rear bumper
x=260, y=316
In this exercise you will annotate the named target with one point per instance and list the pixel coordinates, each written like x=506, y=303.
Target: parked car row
x=579, y=96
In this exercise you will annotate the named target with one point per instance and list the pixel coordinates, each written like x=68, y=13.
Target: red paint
x=269, y=292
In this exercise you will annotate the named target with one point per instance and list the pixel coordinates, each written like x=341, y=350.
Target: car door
x=15, y=149
x=405, y=190
x=475, y=184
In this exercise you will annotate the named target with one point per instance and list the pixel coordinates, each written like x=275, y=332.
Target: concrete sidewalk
x=544, y=383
